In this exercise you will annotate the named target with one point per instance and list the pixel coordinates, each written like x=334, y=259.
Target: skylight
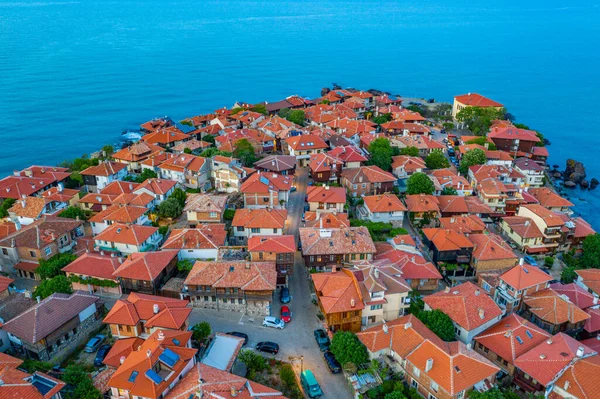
x=133, y=376
x=519, y=340
x=169, y=357
x=157, y=379
x=529, y=334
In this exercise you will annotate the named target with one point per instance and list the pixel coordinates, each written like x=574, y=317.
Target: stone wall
x=260, y=308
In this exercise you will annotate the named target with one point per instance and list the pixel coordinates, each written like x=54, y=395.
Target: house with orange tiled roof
x=403, y=165
x=589, y=280
x=281, y=164
x=266, y=190
x=188, y=170
x=404, y=128
x=240, y=286
x=154, y=368
x=554, y=312
x=135, y=154
x=578, y=381
x=325, y=168
x=146, y=272
x=17, y=383
x=160, y=189
x=167, y=137
x=227, y=173
x=202, y=242
x=422, y=207
x=195, y=146
x=127, y=239
x=467, y=225
x=124, y=214
x=491, y=252
x=204, y=208
x=278, y=249
x=303, y=146
x=385, y=208
x=505, y=341
x=29, y=209
x=472, y=311
x=140, y=315
x=448, y=245
x=449, y=178
x=448, y=371
x=524, y=233
x=426, y=145
x=513, y=140
x=325, y=248
x=367, y=180
x=533, y=171
x=249, y=222
x=551, y=200
x=97, y=177
x=340, y=299
x=351, y=156
x=515, y=284
x=93, y=272
x=326, y=198
x=452, y=205
x=121, y=348
x=326, y=219
x=539, y=368
x=548, y=222
x=472, y=100
x=32, y=181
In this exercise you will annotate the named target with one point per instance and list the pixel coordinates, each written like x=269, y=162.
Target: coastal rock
x=569, y=184
x=324, y=91
x=376, y=92
x=557, y=175
x=584, y=183
x=594, y=183
x=575, y=171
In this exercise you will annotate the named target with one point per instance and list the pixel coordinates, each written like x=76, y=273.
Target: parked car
x=530, y=260
x=310, y=384
x=322, y=339
x=284, y=295
x=239, y=335
x=334, y=366
x=268, y=347
x=293, y=189
x=94, y=343
x=286, y=315
x=274, y=322
x=304, y=216
x=306, y=208
x=102, y=352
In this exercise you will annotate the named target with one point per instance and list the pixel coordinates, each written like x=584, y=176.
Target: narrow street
x=297, y=338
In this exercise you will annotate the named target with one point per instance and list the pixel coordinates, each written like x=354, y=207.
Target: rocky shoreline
x=574, y=175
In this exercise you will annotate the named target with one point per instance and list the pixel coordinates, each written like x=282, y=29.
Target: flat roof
x=223, y=351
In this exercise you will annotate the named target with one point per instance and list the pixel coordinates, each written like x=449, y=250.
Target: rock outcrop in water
x=575, y=173
x=594, y=183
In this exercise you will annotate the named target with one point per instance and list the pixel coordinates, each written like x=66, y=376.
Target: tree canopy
x=74, y=212
x=347, y=348
x=419, y=183
x=296, y=116
x=170, y=208
x=482, y=141
x=179, y=195
x=591, y=252
x=381, y=153
x=48, y=287
x=472, y=157
x=381, y=119
x=244, y=151
x=142, y=177
x=211, y=152
x=449, y=190
x=51, y=267
x=80, y=383
x=437, y=160
x=6, y=205
x=410, y=151
x=438, y=322
x=201, y=331
x=479, y=119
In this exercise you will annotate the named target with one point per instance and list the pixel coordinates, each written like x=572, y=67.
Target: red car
x=286, y=315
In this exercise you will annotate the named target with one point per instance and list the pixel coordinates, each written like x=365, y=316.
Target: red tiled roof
x=384, y=203
x=107, y=168
x=511, y=337
x=551, y=307
x=119, y=187
x=476, y=100
x=326, y=194
x=276, y=244
x=580, y=297
x=491, y=247
x=326, y=220
x=93, y=265
x=580, y=378
x=447, y=240
x=338, y=291
x=411, y=266
x=263, y=183
x=591, y=278
x=145, y=266
x=521, y=277
x=132, y=234
x=371, y=174
x=5, y=282
x=463, y=224
x=121, y=347
x=548, y=359
x=306, y=142
x=205, y=236
x=260, y=218
x=466, y=304
x=549, y=198
x=120, y=214
x=512, y=133
x=348, y=154
x=157, y=186
x=422, y=203
x=523, y=226
x=335, y=241
x=172, y=313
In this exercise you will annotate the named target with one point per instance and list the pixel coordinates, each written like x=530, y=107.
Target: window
x=224, y=300
x=461, y=395
x=240, y=301
x=312, y=258
x=32, y=254
x=354, y=186
x=255, y=230
x=332, y=257
x=430, y=396
x=240, y=228
x=274, y=231
x=206, y=299
x=364, y=185
x=376, y=307
x=486, y=287
x=414, y=384
x=434, y=386
x=260, y=256
x=416, y=371
x=214, y=298
x=213, y=215
x=4, y=251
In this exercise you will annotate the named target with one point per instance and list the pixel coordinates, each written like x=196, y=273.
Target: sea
x=75, y=74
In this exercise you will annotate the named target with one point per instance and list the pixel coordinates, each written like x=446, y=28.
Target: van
x=310, y=384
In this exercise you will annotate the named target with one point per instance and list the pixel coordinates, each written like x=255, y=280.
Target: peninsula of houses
x=354, y=245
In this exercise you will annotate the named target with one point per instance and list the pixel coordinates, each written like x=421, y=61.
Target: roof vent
x=122, y=359
x=352, y=302
x=481, y=313
x=385, y=329
x=549, y=341
x=149, y=353
x=429, y=365
x=155, y=309
x=542, y=356
x=580, y=351
x=477, y=292
x=407, y=325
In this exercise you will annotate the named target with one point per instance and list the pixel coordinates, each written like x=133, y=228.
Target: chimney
x=385, y=328
x=595, y=300
x=23, y=203
x=481, y=313
x=407, y=325
x=149, y=353
x=326, y=187
x=352, y=302
x=549, y=341
x=155, y=308
x=38, y=299
x=376, y=272
x=233, y=392
x=566, y=387
x=580, y=351
x=521, y=262
x=447, y=290
x=477, y=292
x=428, y=365
x=161, y=336
x=122, y=359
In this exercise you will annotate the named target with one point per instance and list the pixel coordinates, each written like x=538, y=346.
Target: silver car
x=274, y=322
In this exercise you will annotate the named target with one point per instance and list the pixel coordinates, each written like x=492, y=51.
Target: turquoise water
x=74, y=75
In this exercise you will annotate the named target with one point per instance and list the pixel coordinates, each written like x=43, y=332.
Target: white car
x=274, y=322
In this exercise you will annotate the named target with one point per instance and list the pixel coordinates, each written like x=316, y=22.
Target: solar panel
x=169, y=357
x=519, y=340
x=133, y=376
x=529, y=334
x=176, y=341
x=154, y=377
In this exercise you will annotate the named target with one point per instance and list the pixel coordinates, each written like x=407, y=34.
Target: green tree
x=187, y=122
x=187, y=150
x=201, y=331
x=482, y=141
x=179, y=195
x=419, y=183
x=170, y=208
x=284, y=113
x=438, y=322
x=145, y=175
x=437, y=160
x=209, y=138
x=347, y=348
x=185, y=265
x=236, y=110
x=493, y=393
x=472, y=157
x=80, y=381
x=211, y=152
x=479, y=119
x=260, y=108
x=381, y=119
x=395, y=395
x=48, y=287
x=74, y=212
x=244, y=151
x=51, y=267
x=6, y=205
x=381, y=153
x=449, y=190
x=296, y=116
x=410, y=151
x=253, y=361
x=591, y=252
x=416, y=303
x=108, y=150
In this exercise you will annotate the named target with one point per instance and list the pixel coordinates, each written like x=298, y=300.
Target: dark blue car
x=284, y=296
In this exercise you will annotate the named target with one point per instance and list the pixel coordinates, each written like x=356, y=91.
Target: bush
x=35, y=365
x=74, y=212
x=185, y=265
x=228, y=214
x=170, y=208
x=380, y=231
x=6, y=206
x=81, y=383
x=163, y=230
x=48, y=287
x=201, y=331
x=253, y=361
x=438, y=322
x=287, y=375
x=53, y=266
x=347, y=348
x=548, y=261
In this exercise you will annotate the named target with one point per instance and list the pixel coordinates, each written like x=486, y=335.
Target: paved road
x=297, y=338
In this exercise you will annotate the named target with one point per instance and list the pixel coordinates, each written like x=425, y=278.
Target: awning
x=536, y=250
x=27, y=266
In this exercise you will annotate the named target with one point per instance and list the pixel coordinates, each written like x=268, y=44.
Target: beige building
x=472, y=100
